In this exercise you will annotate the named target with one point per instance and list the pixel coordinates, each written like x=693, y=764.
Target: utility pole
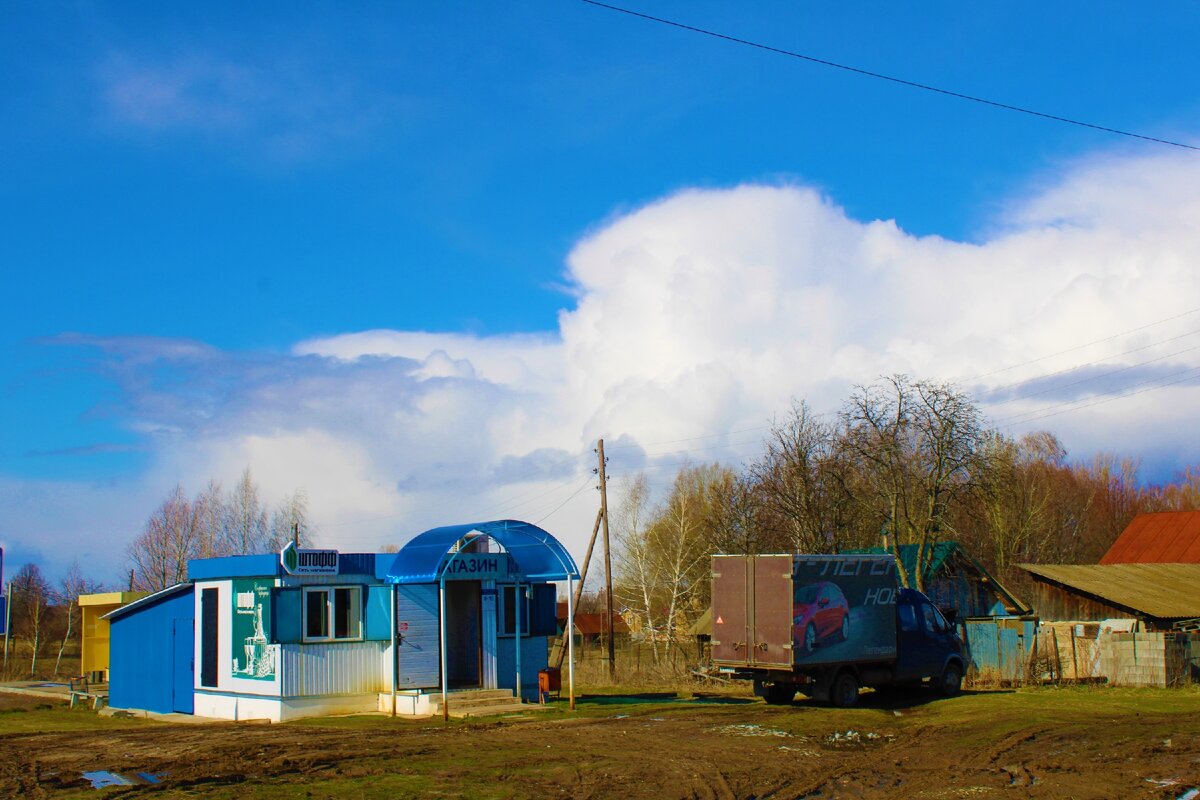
x=608, y=596
x=7, y=619
x=296, y=534
x=578, y=594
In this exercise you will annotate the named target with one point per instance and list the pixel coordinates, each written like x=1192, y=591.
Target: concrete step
x=487, y=711
x=474, y=705
x=481, y=702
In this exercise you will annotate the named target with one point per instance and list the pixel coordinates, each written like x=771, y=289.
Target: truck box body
x=797, y=611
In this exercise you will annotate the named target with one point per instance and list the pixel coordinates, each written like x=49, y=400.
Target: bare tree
x=172, y=536
x=1015, y=493
x=678, y=542
x=736, y=523
x=918, y=446
x=290, y=516
x=209, y=509
x=806, y=485
x=245, y=524
x=31, y=597
x=72, y=585
x=636, y=569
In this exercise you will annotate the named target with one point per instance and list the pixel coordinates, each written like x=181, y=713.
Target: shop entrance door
x=463, y=634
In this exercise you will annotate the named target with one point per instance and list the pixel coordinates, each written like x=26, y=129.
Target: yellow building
x=93, y=656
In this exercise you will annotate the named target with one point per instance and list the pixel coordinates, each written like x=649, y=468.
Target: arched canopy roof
x=536, y=554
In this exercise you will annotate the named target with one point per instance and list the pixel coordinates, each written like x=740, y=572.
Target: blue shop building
x=315, y=632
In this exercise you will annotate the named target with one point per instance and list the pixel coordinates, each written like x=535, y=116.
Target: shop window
x=537, y=610
x=332, y=613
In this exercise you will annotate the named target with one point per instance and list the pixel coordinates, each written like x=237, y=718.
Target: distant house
x=1158, y=594
x=954, y=579
x=592, y=628
x=1165, y=537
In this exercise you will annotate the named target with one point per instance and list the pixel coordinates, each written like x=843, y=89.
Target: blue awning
x=536, y=554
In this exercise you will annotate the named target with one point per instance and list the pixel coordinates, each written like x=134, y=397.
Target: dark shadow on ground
x=661, y=697
x=897, y=699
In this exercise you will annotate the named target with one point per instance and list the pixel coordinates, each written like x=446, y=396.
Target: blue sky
x=202, y=203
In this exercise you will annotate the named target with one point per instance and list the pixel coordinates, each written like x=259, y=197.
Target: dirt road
x=1073, y=743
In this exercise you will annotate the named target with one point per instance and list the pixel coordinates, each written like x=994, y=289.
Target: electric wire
x=1088, y=379
x=1083, y=346
x=564, y=502
x=1187, y=374
x=881, y=76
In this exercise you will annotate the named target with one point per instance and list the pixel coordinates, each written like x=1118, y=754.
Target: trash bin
x=549, y=680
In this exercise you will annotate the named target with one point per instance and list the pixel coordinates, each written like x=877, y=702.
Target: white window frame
x=330, y=591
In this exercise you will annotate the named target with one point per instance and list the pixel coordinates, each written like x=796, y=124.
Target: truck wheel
x=844, y=692
x=951, y=682
x=779, y=694
x=810, y=638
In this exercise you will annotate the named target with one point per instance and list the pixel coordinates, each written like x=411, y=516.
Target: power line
x=1090, y=378
x=1191, y=372
x=1086, y=345
x=880, y=76
x=564, y=502
x=689, y=439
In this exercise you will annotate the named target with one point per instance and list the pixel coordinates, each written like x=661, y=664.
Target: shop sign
x=308, y=562
x=477, y=566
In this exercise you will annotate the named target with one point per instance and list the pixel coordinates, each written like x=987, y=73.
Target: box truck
x=827, y=625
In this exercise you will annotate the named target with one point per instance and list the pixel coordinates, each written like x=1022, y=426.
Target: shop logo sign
x=308, y=562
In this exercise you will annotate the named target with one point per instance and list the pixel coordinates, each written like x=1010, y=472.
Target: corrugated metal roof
x=1165, y=537
x=537, y=554
x=1166, y=591
x=148, y=600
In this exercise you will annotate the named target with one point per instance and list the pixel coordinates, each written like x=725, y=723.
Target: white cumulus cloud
x=702, y=315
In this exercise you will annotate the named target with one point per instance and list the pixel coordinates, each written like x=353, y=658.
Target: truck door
x=730, y=598
x=922, y=640
x=771, y=642
x=752, y=610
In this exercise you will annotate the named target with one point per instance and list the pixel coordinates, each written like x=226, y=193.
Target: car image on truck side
x=819, y=613
x=827, y=625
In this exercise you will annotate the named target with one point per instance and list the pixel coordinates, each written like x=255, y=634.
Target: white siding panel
x=334, y=668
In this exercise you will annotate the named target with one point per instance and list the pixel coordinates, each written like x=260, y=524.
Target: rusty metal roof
x=1165, y=537
x=1165, y=591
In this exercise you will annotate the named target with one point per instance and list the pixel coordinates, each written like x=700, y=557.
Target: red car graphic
x=819, y=612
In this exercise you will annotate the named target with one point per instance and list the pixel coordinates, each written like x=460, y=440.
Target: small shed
x=152, y=643
x=94, y=639
x=1158, y=594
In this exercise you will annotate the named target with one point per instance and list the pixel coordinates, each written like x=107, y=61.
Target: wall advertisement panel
x=253, y=656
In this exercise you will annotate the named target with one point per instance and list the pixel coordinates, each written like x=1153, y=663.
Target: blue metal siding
x=534, y=657
x=377, y=616
x=203, y=569
x=144, y=651
x=183, y=666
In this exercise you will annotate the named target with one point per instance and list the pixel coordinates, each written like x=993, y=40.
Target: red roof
x=592, y=624
x=1167, y=537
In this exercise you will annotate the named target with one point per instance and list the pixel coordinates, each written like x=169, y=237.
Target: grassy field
x=1037, y=742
